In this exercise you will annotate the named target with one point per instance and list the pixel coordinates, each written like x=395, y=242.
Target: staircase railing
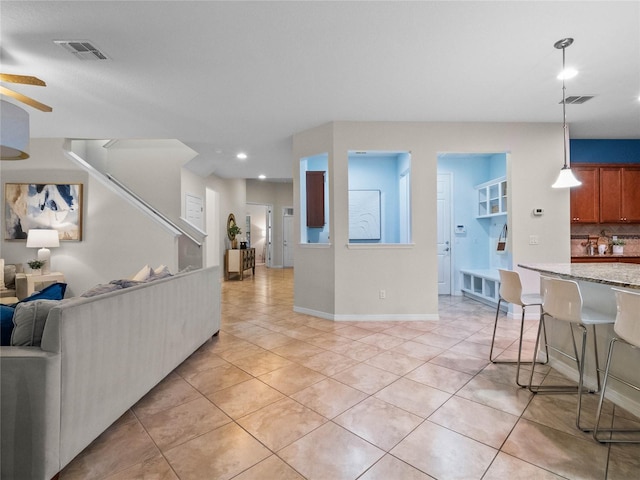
x=125, y=192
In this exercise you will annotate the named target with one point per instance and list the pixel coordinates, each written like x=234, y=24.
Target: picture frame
x=56, y=206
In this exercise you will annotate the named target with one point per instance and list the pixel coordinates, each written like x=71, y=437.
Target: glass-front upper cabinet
x=492, y=198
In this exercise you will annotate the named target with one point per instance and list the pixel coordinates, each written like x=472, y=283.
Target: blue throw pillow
x=55, y=291
x=6, y=324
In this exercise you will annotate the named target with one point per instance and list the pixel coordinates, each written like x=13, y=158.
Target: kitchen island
x=596, y=281
x=621, y=275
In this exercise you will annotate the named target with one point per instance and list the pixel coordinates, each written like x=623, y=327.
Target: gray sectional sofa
x=98, y=357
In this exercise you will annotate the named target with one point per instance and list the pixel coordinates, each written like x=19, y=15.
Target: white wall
x=117, y=238
x=314, y=285
x=349, y=288
x=152, y=169
x=231, y=194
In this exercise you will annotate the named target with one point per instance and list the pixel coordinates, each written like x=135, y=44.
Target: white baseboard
x=367, y=318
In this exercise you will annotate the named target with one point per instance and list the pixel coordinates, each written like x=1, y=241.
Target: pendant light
x=566, y=178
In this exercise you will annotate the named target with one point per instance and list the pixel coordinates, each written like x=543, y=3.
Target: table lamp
x=43, y=239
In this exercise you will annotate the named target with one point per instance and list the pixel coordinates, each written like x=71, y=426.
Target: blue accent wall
x=472, y=247
x=605, y=151
x=378, y=173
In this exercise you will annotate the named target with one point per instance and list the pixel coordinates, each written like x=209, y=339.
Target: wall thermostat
x=460, y=229
x=538, y=212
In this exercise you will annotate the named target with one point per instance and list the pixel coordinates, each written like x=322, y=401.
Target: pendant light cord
x=564, y=111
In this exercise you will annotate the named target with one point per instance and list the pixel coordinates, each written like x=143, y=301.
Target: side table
x=239, y=260
x=27, y=283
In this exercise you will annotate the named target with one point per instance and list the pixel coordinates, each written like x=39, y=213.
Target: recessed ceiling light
x=567, y=73
x=262, y=177
x=241, y=156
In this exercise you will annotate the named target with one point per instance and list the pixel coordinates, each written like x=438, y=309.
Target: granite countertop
x=615, y=274
x=606, y=255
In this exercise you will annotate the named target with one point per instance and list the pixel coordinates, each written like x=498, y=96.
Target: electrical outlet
x=382, y=294
x=534, y=240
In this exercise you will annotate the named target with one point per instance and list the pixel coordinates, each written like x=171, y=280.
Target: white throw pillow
x=161, y=271
x=2, y=276
x=143, y=275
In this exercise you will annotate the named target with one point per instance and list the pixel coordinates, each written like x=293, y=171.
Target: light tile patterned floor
x=280, y=395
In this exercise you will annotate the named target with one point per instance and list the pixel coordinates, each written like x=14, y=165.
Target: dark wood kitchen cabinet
x=620, y=194
x=315, y=199
x=584, y=199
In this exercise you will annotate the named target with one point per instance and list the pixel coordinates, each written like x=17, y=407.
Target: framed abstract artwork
x=43, y=205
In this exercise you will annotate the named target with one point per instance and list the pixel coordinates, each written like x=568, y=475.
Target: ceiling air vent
x=82, y=49
x=578, y=99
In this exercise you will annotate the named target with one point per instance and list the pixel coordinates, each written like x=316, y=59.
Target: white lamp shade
x=42, y=238
x=566, y=179
x=14, y=132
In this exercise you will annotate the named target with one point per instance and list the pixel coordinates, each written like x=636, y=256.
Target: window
x=379, y=197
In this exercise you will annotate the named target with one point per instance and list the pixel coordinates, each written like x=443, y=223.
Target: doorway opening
x=474, y=218
x=258, y=228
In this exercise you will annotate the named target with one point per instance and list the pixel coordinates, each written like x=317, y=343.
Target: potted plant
x=618, y=246
x=232, y=231
x=35, y=266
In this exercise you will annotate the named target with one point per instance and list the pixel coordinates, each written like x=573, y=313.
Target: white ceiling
x=224, y=77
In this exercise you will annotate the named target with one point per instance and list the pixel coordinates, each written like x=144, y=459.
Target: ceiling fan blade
x=24, y=99
x=25, y=79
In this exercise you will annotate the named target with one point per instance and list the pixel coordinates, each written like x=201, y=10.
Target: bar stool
x=511, y=292
x=562, y=300
x=627, y=330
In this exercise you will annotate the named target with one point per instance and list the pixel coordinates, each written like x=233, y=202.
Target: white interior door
x=444, y=233
x=287, y=241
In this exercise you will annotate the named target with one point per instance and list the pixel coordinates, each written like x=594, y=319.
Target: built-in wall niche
x=379, y=196
x=314, y=199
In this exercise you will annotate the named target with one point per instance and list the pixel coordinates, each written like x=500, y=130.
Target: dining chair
x=627, y=332
x=562, y=300
x=511, y=292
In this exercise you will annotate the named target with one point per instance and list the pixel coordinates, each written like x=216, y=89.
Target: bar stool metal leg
x=511, y=292
x=563, y=302
x=627, y=333
x=596, y=428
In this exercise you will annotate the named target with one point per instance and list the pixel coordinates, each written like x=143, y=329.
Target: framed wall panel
x=364, y=215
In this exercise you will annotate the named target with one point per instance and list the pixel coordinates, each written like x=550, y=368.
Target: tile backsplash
x=630, y=233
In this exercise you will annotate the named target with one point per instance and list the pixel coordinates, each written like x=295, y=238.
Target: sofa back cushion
x=29, y=319
x=30, y=315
